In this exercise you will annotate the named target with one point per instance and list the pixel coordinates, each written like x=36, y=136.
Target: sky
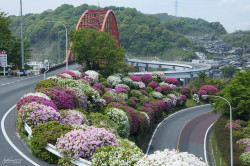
x=232, y=14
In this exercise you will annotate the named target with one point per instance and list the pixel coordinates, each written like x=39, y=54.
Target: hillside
x=140, y=34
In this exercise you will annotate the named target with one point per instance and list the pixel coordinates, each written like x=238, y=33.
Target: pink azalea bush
x=149, y=111
x=72, y=117
x=70, y=73
x=173, y=99
x=40, y=100
x=134, y=118
x=165, y=89
x=211, y=90
x=185, y=91
x=202, y=92
x=194, y=91
x=135, y=78
x=172, y=87
x=122, y=86
x=153, y=84
x=172, y=81
x=35, y=113
x=146, y=78
x=83, y=142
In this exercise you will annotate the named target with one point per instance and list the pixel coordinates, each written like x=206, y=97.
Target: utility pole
x=22, y=50
x=176, y=8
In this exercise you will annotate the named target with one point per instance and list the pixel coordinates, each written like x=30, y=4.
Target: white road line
x=9, y=141
x=205, y=142
x=166, y=119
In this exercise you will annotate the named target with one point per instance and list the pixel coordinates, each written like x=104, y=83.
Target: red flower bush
x=146, y=78
x=135, y=78
x=211, y=90
x=172, y=81
x=153, y=84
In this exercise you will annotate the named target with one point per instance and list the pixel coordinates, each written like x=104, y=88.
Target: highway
x=12, y=150
x=184, y=130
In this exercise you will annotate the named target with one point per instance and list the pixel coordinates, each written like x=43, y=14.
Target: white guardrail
x=51, y=148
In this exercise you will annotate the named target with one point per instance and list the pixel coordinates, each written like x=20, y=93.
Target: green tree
x=228, y=71
x=97, y=50
x=238, y=94
x=10, y=44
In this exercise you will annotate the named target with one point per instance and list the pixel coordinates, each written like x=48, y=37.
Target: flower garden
x=90, y=117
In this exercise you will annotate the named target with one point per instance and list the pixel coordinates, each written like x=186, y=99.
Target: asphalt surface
x=168, y=132
x=192, y=135
x=13, y=150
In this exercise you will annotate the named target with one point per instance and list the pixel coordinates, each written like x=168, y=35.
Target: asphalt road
x=12, y=150
x=168, y=132
x=192, y=136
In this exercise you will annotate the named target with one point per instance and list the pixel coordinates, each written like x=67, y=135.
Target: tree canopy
x=10, y=44
x=238, y=94
x=97, y=50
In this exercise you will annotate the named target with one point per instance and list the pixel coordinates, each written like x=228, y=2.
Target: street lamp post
x=231, y=132
x=67, y=63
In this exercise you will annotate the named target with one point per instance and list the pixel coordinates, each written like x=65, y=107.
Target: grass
x=191, y=103
x=218, y=159
x=222, y=140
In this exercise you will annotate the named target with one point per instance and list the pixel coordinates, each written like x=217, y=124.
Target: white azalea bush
x=170, y=157
x=92, y=76
x=77, y=73
x=114, y=80
x=121, y=119
x=126, y=153
x=156, y=95
x=196, y=98
x=38, y=94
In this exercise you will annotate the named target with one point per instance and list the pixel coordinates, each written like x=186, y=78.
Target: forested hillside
x=238, y=39
x=140, y=34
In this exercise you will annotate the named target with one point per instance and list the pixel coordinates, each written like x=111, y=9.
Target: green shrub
x=149, y=89
x=47, y=133
x=46, y=84
x=135, y=93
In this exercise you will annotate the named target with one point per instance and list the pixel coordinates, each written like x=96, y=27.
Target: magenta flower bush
x=72, y=117
x=146, y=78
x=82, y=99
x=244, y=144
x=185, y=90
x=172, y=81
x=236, y=125
x=202, y=92
x=35, y=113
x=39, y=100
x=184, y=98
x=194, y=91
x=143, y=124
x=153, y=84
x=63, y=98
x=165, y=89
x=120, y=90
x=135, y=78
x=83, y=142
x=158, y=106
x=99, y=86
x=158, y=89
x=148, y=111
x=211, y=90
x=134, y=118
x=70, y=73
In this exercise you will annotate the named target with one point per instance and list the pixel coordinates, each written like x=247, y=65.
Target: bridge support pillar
x=191, y=77
x=173, y=67
x=160, y=67
x=137, y=67
x=146, y=68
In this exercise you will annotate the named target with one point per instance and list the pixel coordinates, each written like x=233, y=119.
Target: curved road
x=12, y=150
x=184, y=129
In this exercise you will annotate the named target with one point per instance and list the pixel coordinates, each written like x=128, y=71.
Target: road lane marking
x=166, y=119
x=205, y=141
x=9, y=141
x=177, y=149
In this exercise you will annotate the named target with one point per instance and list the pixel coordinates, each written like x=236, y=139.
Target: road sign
x=3, y=58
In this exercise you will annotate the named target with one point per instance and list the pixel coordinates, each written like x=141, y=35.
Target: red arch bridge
x=102, y=20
